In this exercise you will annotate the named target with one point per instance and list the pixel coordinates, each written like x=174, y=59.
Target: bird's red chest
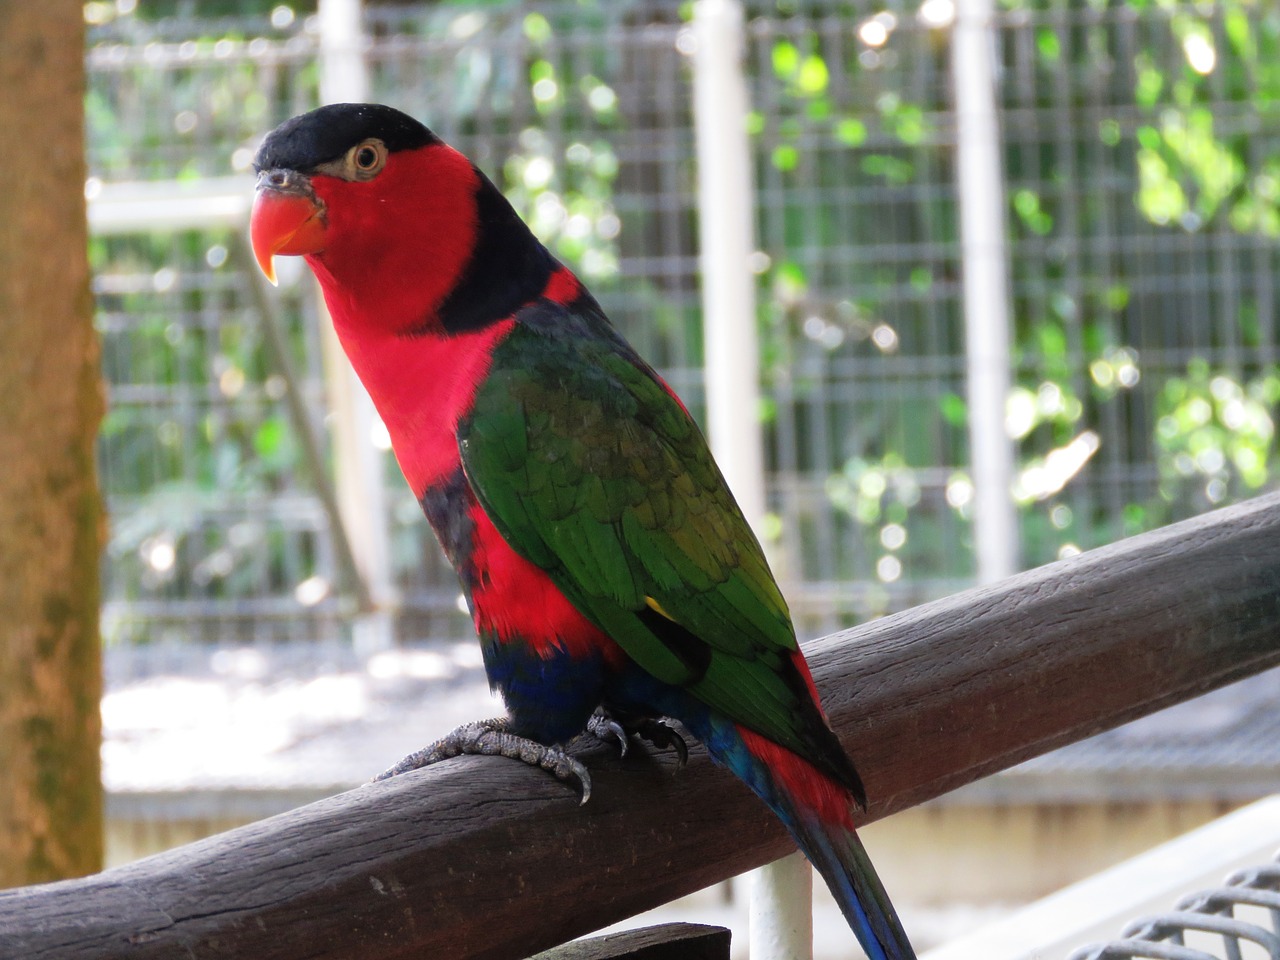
x=421, y=387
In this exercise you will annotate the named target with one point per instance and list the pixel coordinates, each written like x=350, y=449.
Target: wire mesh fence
x=1142, y=165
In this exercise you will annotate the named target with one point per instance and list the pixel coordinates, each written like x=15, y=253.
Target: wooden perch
x=488, y=859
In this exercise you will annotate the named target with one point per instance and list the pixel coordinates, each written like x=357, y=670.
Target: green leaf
x=1027, y=205
x=541, y=70
x=269, y=436
x=1117, y=296
x=537, y=28
x=909, y=124
x=786, y=59
x=892, y=169
x=1048, y=44
x=790, y=280
x=813, y=75
x=1150, y=85
x=1053, y=341
x=785, y=157
x=851, y=132
x=818, y=109
x=954, y=410
x=1235, y=24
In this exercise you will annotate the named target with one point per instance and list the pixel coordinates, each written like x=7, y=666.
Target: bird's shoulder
x=565, y=387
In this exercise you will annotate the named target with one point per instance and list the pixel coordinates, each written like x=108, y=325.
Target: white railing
x=1096, y=908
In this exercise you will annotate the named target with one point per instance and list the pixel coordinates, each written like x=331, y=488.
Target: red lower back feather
x=809, y=789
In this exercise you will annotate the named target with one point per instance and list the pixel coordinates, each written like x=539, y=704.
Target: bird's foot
x=658, y=731
x=494, y=738
x=662, y=733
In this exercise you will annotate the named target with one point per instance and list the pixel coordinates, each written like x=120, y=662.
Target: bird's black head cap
x=310, y=139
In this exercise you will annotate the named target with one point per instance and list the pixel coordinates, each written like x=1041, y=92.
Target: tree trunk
x=50, y=404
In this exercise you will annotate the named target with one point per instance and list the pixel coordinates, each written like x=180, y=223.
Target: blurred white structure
x=782, y=892
x=986, y=288
x=358, y=464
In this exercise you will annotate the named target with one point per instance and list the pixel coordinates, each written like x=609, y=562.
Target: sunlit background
x=1141, y=150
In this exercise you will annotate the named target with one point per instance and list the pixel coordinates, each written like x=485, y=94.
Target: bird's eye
x=367, y=159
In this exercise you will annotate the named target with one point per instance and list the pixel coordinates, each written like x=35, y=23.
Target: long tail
x=843, y=862
x=816, y=808
x=819, y=814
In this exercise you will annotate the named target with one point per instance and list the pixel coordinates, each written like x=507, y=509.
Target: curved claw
x=605, y=728
x=658, y=731
x=568, y=769
x=662, y=734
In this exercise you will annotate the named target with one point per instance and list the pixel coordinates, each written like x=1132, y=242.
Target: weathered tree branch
x=485, y=858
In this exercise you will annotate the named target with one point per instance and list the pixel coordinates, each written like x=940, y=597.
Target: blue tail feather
x=834, y=849
x=843, y=862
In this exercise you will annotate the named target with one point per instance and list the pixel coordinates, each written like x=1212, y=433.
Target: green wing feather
x=591, y=470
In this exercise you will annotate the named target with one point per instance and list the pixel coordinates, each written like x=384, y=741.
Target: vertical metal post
x=980, y=183
x=782, y=910
x=359, y=464
x=782, y=892
x=726, y=228
x=343, y=73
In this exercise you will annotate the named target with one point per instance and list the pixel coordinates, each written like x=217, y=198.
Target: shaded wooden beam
x=666, y=941
x=487, y=859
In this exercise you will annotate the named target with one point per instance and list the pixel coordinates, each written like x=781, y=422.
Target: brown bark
x=50, y=406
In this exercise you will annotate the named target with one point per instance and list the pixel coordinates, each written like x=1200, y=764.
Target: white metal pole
x=980, y=182
x=782, y=892
x=344, y=76
x=725, y=218
x=362, y=496
x=782, y=910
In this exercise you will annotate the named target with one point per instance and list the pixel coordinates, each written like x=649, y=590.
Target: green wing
x=592, y=471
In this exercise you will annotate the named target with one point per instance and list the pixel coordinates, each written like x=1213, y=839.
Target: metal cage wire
x=1238, y=921
x=1145, y=348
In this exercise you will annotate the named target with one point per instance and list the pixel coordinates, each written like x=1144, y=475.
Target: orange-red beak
x=284, y=222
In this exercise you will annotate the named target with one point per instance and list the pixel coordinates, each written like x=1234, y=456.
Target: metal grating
x=1238, y=921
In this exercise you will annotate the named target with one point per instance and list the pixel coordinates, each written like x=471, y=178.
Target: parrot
x=612, y=579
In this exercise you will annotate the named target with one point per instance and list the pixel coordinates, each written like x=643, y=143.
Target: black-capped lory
x=611, y=577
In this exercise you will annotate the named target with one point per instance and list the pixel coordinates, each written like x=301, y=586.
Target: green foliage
x=1191, y=171
x=563, y=185
x=1216, y=435
x=1135, y=358
x=196, y=432
x=202, y=9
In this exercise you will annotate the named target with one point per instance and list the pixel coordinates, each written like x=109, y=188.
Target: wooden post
x=489, y=859
x=51, y=525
